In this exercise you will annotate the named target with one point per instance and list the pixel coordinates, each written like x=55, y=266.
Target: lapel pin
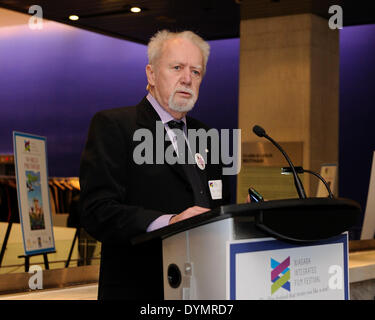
x=200, y=161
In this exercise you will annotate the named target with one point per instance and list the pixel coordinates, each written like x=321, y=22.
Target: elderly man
x=121, y=198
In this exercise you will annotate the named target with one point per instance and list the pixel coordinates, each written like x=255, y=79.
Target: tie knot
x=175, y=124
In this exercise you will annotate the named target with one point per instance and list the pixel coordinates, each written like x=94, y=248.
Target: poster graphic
x=33, y=193
x=269, y=269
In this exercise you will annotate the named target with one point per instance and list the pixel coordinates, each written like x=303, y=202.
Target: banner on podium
x=269, y=269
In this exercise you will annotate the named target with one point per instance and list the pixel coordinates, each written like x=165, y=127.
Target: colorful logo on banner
x=280, y=275
x=27, y=145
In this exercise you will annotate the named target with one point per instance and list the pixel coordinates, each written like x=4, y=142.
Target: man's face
x=177, y=75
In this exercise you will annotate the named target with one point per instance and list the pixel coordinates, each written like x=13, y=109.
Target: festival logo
x=280, y=275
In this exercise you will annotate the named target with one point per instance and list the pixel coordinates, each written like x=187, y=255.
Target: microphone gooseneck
x=260, y=132
x=330, y=194
x=287, y=170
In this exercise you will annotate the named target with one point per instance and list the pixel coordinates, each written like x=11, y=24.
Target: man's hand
x=248, y=199
x=188, y=213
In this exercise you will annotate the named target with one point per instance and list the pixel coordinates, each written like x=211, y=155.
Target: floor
x=361, y=270
x=83, y=292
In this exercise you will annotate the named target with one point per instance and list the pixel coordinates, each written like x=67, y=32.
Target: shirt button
x=201, y=192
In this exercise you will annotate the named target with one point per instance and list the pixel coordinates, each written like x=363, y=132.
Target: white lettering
x=209, y=309
x=36, y=280
x=335, y=282
x=36, y=21
x=336, y=21
x=143, y=153
x=188, y=309
x=168, y=311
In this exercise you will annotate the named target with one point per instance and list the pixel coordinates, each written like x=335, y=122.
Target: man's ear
x=150, y=75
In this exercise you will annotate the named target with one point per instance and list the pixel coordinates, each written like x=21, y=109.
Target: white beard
x=182, y=107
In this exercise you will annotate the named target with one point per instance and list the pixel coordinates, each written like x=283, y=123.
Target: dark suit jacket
x=119, y=199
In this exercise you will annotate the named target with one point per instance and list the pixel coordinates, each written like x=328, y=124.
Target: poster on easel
x=30, y=155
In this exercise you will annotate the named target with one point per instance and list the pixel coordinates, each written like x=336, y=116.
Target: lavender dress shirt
x=165, y=117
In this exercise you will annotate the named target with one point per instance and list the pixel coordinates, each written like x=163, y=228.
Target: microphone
x=260, y=132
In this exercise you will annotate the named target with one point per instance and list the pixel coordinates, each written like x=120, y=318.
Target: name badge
x=216, y=187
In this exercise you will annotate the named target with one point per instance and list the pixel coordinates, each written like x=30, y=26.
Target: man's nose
x=186, y=77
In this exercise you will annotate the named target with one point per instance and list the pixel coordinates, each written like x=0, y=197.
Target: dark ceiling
x=212, y=19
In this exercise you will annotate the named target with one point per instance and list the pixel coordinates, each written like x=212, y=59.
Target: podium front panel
x=203, y=248
x=231, y=259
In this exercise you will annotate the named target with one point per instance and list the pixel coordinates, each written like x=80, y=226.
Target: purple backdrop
x=55, y=80
x=52, y=81
x=357, y=112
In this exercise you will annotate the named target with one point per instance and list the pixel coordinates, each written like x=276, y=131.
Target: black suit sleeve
x=226, y=190
x=103, y=173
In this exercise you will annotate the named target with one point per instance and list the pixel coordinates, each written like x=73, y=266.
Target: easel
x=27, y=257
x=85, y=256
x=71, y=248
x=45, y=257
x=6, y=237
x=7, y=233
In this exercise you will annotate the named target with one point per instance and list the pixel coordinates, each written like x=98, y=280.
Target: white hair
x=155, y=46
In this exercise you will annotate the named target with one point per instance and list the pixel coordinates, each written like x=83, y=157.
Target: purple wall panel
x=52, y=82
x=357, y=111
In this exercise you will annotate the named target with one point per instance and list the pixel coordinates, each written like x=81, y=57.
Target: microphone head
x=259, y=131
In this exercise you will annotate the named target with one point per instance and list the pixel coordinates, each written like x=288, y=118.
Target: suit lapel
x=146, y=118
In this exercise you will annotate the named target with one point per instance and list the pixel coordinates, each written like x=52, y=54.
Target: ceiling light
x=73, y=17
x=135, y=9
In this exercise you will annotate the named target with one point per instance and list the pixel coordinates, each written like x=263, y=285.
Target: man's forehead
x=176, y=42
x=175, y=48
x=175, y=52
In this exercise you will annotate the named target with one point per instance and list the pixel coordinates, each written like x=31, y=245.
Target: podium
x=281, y=249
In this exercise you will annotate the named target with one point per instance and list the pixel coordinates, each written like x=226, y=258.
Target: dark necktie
x=191, y=170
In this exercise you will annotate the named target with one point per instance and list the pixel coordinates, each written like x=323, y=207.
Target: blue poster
x=33, y=193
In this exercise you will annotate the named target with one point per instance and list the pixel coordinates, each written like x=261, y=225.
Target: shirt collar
x=165, y=117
